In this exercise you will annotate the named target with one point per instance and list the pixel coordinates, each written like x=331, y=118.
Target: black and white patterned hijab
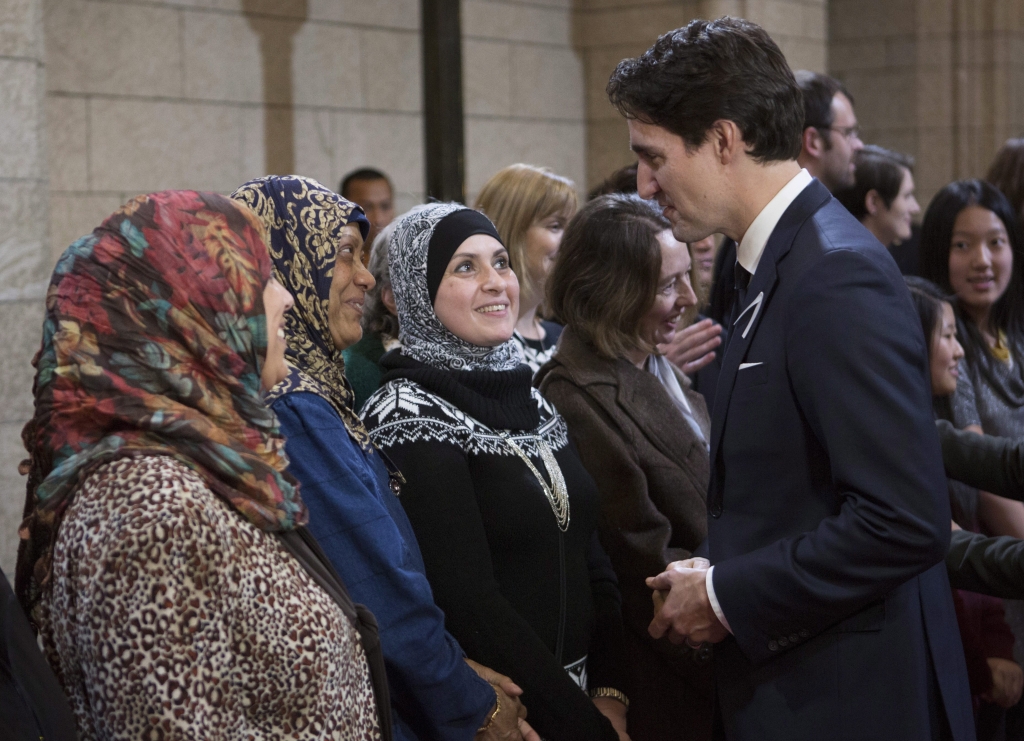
x=421, y=333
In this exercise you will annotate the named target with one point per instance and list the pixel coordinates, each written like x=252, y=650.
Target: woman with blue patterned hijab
x=316, y=246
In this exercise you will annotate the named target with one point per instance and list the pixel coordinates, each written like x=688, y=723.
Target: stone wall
x=607, y=31
x=206, y=94
x=23, y=256
x=523, y=89
x=942, y=80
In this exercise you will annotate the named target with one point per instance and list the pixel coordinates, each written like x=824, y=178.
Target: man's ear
x=727, y=139
x=388, y=297
x=813, y=142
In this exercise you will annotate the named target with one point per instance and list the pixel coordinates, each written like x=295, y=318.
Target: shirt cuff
x=709, y=583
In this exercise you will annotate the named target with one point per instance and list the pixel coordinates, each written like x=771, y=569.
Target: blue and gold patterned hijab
x=304, y=220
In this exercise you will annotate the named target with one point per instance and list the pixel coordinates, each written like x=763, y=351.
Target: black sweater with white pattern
x=519, y=595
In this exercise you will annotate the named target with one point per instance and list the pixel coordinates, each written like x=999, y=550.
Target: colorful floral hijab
x=304, y=220
x=153, y=342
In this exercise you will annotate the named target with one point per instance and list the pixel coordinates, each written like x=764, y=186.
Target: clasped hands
x=682, y=610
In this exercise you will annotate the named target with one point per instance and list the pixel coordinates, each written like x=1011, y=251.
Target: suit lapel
x=759, y=294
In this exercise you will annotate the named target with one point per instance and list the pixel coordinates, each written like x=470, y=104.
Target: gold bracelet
x=610, y=692
x=497, y=709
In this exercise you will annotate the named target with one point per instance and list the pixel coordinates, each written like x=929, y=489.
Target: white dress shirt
x=748, y=254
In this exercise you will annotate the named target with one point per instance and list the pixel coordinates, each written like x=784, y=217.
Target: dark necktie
x=739, y=299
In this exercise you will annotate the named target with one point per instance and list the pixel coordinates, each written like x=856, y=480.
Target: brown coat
x=652, y=472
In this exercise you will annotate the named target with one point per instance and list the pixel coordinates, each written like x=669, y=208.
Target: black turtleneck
x=500, y=399
x=519, y=595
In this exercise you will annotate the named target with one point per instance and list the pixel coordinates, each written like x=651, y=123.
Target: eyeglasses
x=847, y=132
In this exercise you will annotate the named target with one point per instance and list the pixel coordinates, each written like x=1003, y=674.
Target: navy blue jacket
x=828, y=509
x=363, y=529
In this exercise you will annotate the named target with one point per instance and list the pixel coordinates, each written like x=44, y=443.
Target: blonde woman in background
x=530, y=207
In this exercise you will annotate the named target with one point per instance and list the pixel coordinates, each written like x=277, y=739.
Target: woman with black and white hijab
x=504, y=511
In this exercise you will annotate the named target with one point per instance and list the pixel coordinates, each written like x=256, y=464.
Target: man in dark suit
x=828, y=513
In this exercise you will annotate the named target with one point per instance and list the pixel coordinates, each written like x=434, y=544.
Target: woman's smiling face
x=349, y=284
x=980, y=261
x=478, y=297
x=946, y=353
x=674, y=294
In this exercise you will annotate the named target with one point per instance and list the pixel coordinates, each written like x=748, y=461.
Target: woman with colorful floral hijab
x=316, y=244
x=154, y=559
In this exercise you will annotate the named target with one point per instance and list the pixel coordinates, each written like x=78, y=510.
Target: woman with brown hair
x=621, y=285
x=530, y=207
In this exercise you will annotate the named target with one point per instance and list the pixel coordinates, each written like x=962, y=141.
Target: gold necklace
x=559, y=498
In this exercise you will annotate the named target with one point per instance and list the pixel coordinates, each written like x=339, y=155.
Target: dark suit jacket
x=652, y=472
x=828, y=509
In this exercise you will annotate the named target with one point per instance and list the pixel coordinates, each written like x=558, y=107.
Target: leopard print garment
x=171, y=617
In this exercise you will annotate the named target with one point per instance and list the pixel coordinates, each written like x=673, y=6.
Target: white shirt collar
x=751, y=247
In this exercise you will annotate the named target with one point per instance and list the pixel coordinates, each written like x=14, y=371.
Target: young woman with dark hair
x=996, y=680
x=971, y=247
x=622, y=284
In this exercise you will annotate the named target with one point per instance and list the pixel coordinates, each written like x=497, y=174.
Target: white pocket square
x=749, y=365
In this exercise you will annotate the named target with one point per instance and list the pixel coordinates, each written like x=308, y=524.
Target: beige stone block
x=254, y=160
x=23, y=331
x=815, y=21
x=599, y=65
x=584, y=6
x=20, y=119
x=143, y=146
x=607, y=150
x=492, y=19
x=934, y=96
x=327, y=66
x=493, y=144
x=486, y=77
x=380, y=13
x=67, y=144
x=858, y=54
x=804, y=53
x=314, y=146
x=777, y=17
x=874, y=18
x=718, y=8
x=935, y=16
x=112, y=48
x=883, y=98
x=223, y=57
x=902, y=140
x=23, y=265
x=391, y=142
x=547, y=83
x=633, y=25
x=12, y=495
x=392, y=70
x=936, y=163
x=73, y=215
x=20, y=28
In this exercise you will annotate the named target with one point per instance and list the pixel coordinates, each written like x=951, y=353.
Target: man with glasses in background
x=831, y=135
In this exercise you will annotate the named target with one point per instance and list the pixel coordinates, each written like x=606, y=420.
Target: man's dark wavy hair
x=712, y=70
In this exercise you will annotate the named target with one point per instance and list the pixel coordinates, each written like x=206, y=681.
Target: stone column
x=607, y=31
x=942, y=80
x=24, y=261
